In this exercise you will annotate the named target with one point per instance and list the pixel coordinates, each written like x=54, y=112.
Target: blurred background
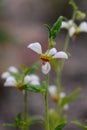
x=22, y=22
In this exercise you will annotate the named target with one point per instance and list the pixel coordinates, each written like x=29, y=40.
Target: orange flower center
x=45, y=58
x=55, y=98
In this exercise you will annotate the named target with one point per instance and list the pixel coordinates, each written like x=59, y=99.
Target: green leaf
x=80, y=124
x=34, y=88
x=56, y=28
x=18, y=118
x=70, y=98
x=10, y=125
x=60, y=126
x=33, y=69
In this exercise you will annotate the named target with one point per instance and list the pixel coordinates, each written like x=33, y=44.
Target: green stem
x=25, y=110
x=46, y=104
x=65, y=50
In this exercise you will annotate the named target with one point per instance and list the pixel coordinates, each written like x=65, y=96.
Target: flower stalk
x=25, y=110
x=46, y=104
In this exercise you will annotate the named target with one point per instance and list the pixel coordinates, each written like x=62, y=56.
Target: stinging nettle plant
x=27, y=81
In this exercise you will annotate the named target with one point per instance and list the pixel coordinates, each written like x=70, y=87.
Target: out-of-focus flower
x=55, y=97
x=12, y=81
x=31, y=79
x=7, y=74
x=73, y=29
x=48, y=55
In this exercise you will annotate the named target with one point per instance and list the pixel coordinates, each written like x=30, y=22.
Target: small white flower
x=73, y=29
x=67, y=24
x=10, y=81
x=49, y=55
x=52, y=90
x=46, y=68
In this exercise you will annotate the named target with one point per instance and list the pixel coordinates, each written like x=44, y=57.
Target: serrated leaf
x=60, y=126
x=56, y=28
x=70, y=98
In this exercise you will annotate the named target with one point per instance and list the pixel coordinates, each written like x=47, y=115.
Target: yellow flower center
x=45, y=58
x=77, y=32
x=20, y=86
x=55, y=98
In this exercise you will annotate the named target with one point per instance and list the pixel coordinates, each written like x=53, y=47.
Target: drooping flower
x=73, y=29
x=47, y=56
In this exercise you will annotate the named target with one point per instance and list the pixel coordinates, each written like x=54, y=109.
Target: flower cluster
x=11, y=79
x=47, y=56
x=73, y=29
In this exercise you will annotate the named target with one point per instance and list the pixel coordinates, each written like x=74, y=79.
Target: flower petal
x=27, y=79
x=52, y=51
x=62, y=94
x=35, y=47
x=13, y=69
x=46, y=68
x=83, y=26
x=10, y=81
x=64, y=24
x=72, y=31
x=52, y=90
x=70, y=23
x=35, y=82
x=5, y=75
x=34, y=77
x=60, y=54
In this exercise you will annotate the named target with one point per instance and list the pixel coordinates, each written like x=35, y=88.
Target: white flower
x=31, y=79
x=47, y=56
x=67, y=24
x=73, y=29
x=52, y=90
x=10, y=81
x=46, y=68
